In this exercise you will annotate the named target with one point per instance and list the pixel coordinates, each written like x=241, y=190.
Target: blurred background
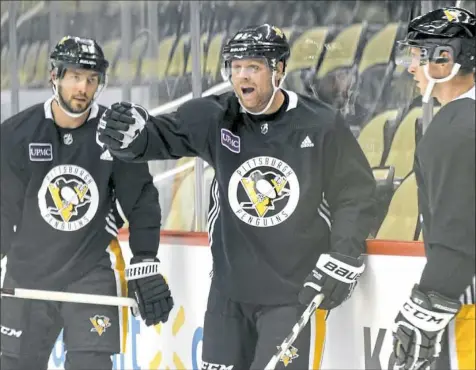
x=162, y=53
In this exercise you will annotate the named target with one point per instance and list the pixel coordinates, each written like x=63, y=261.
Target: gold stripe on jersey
x=461, y=335
x=318, y=338
x=118, y=265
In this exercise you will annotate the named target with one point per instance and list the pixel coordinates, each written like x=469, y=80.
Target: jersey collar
x=94, y=110
x=468, y=94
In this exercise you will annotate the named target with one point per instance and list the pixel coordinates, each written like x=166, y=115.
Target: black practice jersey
x=287, y=188
x=59, y=189
x=445, y=174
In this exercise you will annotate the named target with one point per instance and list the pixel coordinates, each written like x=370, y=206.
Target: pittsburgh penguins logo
x=68, y=198
x=263, y=191
x=100, y=323
x=290, y=355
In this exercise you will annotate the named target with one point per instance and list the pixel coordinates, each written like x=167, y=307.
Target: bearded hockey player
x=292, y=196
x=438, y=320
x=60, y=198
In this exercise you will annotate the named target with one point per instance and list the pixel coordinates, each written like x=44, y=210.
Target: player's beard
x=261, y=100
x=68, y=105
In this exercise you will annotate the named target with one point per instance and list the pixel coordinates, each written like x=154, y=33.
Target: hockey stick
x=46, y=295
x=297, y=328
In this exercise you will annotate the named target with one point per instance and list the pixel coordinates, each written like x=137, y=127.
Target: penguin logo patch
x=263, y=191
x=100, y=323
x=68, y=198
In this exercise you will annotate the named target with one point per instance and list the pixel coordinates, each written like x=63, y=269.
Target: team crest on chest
x=68, y=198
x=263, y=191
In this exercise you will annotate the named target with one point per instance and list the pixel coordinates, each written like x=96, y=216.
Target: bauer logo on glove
x=335, y=276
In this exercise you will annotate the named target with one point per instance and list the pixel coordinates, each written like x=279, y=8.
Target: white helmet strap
x=432, y=81
x=64, y=108
x=275, y=86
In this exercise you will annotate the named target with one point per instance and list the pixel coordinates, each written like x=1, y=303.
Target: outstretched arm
x=132, y=135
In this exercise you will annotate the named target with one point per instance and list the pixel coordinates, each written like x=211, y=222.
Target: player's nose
x=81, y=86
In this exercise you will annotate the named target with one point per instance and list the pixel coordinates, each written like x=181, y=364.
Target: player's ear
x=53, y=74
x=279, y=71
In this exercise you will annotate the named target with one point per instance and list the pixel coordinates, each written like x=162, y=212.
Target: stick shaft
x=297, y=328
x=47, y=295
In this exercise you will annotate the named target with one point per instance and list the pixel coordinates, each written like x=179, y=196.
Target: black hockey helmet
x=79, y=53
x=446, y=29
x=265, y=41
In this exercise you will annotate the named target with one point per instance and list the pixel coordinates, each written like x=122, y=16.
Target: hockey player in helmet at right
x=292, y=192
x=435, y=326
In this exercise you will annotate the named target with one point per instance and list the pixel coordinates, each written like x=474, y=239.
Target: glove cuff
x=339, y=269
x=144, y=257
x=349, y=260
x=142, y=268
x=431, y=312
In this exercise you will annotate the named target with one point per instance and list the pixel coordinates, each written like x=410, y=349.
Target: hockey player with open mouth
x=292, y=201
x=437, y=322
x=61, y=195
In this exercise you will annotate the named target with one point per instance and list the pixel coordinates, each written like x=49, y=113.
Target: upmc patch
x=230, y=141
x=40, y=152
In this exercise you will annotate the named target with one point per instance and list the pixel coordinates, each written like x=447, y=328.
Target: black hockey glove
x=121, y=130
x=149, y=288
x=335, y=276
x=419, y=328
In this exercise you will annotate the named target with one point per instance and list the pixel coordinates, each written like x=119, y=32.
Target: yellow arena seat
x=212, y=65
x=341, y=51
x=379, y=48
x=402, y=217
x=371, y=138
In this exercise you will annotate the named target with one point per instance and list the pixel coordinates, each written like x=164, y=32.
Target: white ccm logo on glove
x=339, y=270
x=425, y=319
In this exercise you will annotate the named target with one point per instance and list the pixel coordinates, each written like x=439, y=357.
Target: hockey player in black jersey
x=437, y=322
x=62, y=195
x=292, y=195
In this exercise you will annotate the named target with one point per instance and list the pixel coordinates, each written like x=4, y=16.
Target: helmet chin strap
x=432, y=81
x=271, y=99
x=66, y=110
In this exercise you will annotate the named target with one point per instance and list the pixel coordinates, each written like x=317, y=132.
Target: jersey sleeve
x=449, y=178
x=184, y=133
x=139, y=200
x=13, y=179
x=349, y=190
